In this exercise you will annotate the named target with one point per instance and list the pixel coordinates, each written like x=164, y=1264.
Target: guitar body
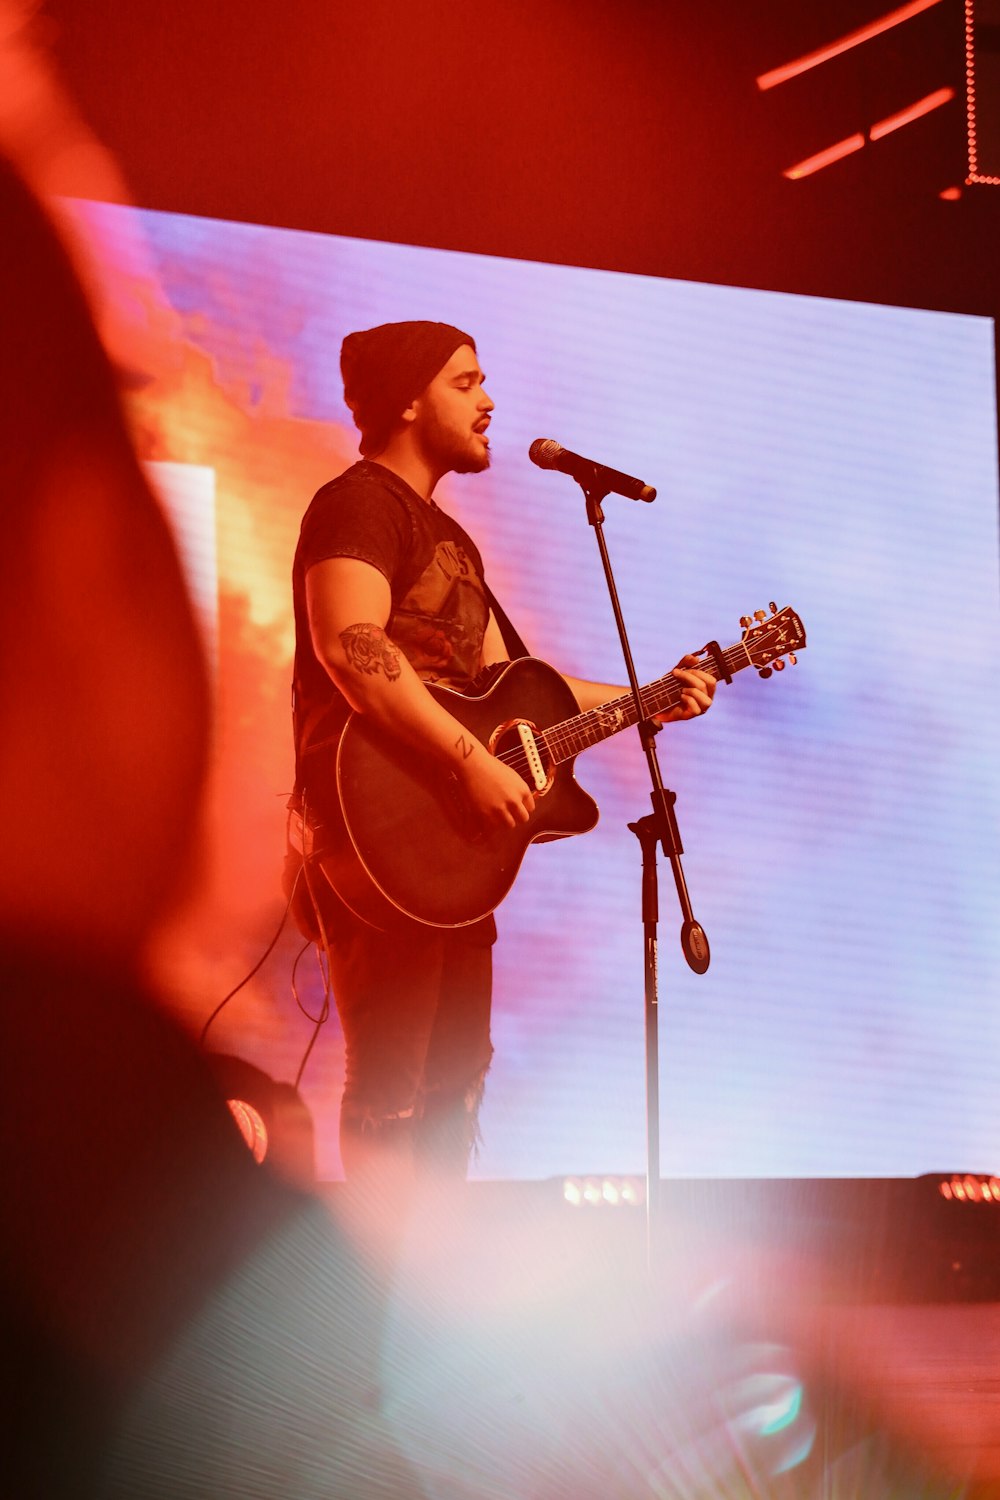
x=403, y=838
x=394, y=835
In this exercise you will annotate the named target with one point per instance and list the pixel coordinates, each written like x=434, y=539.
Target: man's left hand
x=697, y=692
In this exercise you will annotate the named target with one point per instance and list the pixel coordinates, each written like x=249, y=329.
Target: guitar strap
x=511, y=639
x=513, y=642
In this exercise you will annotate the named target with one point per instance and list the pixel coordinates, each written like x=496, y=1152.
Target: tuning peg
x=792, y=660
x=773, y=607
x=779, y=665
x=764, y=672
x=745, y=621
x=759, y=614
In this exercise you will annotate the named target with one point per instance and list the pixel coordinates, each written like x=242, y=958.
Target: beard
x=451, y=449
x=471, y=462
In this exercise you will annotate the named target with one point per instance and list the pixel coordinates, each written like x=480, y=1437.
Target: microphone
x=548, y=454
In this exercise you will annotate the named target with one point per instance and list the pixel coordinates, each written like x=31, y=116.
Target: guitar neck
x=568, y=738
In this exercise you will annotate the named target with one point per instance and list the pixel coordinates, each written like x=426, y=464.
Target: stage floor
x=747, y=1364
x=929, y=1376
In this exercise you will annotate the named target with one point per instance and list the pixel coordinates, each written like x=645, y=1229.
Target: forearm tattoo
x=464, y=747
x=369, y=650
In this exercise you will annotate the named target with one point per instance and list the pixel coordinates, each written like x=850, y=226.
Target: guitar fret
x=571, y=736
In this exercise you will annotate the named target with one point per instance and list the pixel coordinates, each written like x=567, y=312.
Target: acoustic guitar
x=400, y=837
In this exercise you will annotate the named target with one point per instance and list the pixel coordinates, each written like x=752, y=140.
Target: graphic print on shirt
x=441, y=622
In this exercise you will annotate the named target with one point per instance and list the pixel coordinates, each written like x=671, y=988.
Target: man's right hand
x=498, y=795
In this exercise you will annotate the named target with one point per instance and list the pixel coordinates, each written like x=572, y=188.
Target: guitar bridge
x=532, y=755
x=529, y=760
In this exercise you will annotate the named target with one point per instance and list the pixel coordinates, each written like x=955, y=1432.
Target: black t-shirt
x=439, y=607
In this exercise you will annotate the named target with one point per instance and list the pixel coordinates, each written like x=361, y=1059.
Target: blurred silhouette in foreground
x=175, y=1321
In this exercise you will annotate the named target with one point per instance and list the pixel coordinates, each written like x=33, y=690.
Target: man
x=389, y=595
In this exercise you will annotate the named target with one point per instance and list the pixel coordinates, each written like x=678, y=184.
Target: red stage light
x=970, y=1188
x=824, y=158
x=884, y=127
x=912, y=112
x=853, y=39
x=970, y=99
x=252, y=1127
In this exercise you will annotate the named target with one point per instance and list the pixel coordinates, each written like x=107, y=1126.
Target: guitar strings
x=558, y=741
x=561, y=741
x=560, y=738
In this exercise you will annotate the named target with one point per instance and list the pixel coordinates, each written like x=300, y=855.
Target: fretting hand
x=697, y=692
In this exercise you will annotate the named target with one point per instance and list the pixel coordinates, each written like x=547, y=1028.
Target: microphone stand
x=658, y=827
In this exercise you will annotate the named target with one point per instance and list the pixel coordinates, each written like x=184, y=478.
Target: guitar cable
x=257, y=966
x=322, y=952
x=309, y=943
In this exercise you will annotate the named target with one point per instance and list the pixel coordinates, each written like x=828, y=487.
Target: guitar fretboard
x=568, y=738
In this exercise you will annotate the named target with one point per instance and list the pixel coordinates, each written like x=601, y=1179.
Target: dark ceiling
x=618, y=133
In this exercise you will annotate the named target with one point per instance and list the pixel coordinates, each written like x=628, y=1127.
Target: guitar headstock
x=772, y=638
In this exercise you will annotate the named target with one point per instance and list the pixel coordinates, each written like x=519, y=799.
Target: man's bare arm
x=349, y=603
x=698, y=688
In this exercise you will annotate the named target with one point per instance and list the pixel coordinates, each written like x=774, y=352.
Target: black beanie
x=386, y=368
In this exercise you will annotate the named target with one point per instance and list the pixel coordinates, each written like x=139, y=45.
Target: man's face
x=452, y=416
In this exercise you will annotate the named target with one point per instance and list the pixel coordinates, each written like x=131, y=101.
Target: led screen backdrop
x=840, y=820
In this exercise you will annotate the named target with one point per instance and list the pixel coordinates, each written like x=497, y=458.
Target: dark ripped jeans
x=414, y=1005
